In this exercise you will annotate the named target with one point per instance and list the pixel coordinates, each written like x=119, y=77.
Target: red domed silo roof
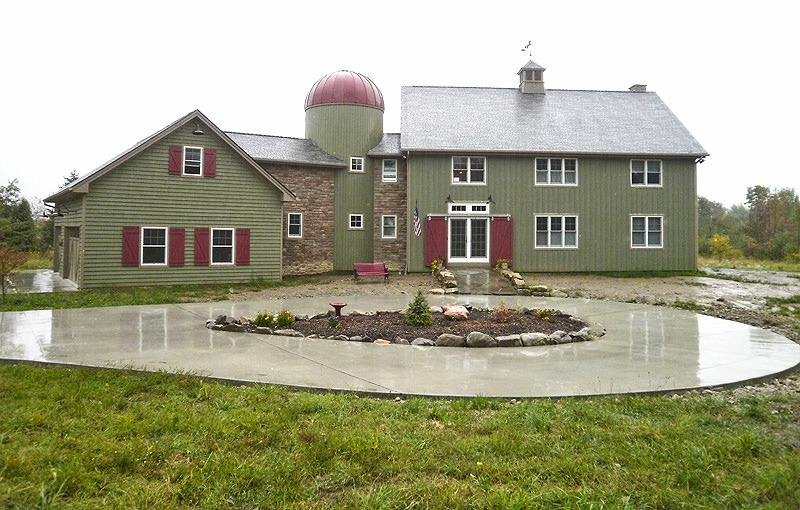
x=345, y=87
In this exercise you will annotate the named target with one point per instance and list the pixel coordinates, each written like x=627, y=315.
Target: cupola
x=531, y=78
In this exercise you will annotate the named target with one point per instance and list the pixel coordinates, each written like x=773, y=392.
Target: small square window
x=389, y=170
x=222, y=246
x=469, y=170
x=645, y=172
x=192, y=161
x=356, y=221
x=294, y=225
x=389, y=227
x=356, y=164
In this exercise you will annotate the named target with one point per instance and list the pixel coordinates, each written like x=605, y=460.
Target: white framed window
x=469, y=170
x=294, y=225
x=221, y=246
x=645, y=172
x=389, y=227
x=647, y=231
x=556, y=231
x=389, y=170
x=192, y=160
x=557, y=171
x=154, y=246
x=356, y=222
x=479, y=209
x=357, y=164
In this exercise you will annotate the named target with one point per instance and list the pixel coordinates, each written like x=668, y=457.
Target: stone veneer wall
x=390, y=198
x=314, y=187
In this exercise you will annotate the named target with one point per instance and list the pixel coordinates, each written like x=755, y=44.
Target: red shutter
x=202, y=244
x=176, y=247
x=242, y=246
x=175, y=159
x=210, y=162
x=435, y=239
x=502, y=240
x=130, y=246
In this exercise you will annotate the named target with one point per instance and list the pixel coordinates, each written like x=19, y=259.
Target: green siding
x=345, y=131
x=603, y=201
x=141, y=193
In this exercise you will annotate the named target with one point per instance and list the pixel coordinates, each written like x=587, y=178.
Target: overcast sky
x=84, y=81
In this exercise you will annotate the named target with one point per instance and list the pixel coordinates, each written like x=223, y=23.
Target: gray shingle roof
x=278, y=148
x=388, y=146
x=560, y=121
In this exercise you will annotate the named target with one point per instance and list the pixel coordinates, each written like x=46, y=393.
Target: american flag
x=417, y=225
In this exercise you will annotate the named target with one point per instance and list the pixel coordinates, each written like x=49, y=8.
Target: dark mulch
x=391, y=325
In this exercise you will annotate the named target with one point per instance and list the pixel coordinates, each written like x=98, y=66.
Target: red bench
x=370, y=269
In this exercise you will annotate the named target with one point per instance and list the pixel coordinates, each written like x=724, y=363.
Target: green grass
x=124, y=296
x=37, y=261
x=93, y=439
x=764, y=265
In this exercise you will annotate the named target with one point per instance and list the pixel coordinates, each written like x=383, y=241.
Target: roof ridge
x=270, y=136
x=517, y=88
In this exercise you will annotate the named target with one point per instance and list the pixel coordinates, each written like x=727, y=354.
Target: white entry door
x=469, y=239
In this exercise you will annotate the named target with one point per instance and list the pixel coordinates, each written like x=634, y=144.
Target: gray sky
x=83, y=81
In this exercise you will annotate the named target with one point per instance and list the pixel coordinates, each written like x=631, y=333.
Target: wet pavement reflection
x=646, y=349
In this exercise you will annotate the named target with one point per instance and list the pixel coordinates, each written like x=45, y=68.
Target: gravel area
x=734, y=294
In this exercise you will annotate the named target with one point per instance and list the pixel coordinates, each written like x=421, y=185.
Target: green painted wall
x=141, y=193
x=603, y=201
x=345, y=131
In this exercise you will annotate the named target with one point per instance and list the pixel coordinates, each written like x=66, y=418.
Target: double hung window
x=556, y=171
x=221, y=246
x=647, y=231
x=295, y=225
x=389, y=170
x=556, y=231
x=469, y=170
x=192, y=161
x=645, y=172
x=154, y=246
x=389, y=227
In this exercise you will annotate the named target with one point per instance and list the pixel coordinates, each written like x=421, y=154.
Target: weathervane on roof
x=528, y=47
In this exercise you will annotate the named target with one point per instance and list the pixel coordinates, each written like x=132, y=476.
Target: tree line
x=765, y=227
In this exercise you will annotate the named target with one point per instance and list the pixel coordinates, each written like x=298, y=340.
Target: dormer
x=531, y=78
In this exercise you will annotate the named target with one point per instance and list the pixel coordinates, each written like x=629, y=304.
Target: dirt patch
x=392, y=325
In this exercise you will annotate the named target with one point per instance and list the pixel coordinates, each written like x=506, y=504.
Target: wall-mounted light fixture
x=197, y=131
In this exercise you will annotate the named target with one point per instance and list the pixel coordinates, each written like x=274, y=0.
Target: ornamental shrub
x=264, y=320
x=419, y=311
x=284, y=319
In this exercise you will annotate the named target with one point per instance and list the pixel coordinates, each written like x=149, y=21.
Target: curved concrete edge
x=646, y=349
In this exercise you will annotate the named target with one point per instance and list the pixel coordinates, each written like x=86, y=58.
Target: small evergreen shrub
x=419, y=311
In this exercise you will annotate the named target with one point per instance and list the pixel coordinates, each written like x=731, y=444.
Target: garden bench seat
x=370, y=269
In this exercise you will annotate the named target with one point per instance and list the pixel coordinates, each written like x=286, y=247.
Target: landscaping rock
x=359, y=338
x=424, y=342
x=381, y=341
x=436, y=291
x=221, y=319
x=534, y=339
x=436, y=309
x=448, y=340
x=509, y=341
x=581, y=336
x=401, y=341
x=456, y=312
x=288, y=332
x=558, y=294
x=261, y=330
x=233, y=327
x=478, y=339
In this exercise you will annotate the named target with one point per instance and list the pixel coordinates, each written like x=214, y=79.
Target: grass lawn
x=88, y=439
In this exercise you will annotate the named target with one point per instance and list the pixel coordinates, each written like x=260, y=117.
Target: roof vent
x=638, y=88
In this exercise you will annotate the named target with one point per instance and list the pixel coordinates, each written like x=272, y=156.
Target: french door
x=469, y=239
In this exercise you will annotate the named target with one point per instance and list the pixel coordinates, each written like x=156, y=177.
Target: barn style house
x=552, y=180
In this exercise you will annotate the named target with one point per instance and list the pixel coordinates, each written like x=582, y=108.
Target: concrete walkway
x=646, y=349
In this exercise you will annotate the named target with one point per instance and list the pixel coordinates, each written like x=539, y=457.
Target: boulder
x=509, y=341
x=448, y=340
x=539, y=289
x=424, y=342
x=436, y=291
x=436, y=309
x=478, y=339
x=261, y=330
x=381, y=341
x=581, y=336
x=533, y=339
x=456, y=313
x=401, y=341
x=233, y=327
x=359, y=338
x=556, y=337
x=221, y=319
